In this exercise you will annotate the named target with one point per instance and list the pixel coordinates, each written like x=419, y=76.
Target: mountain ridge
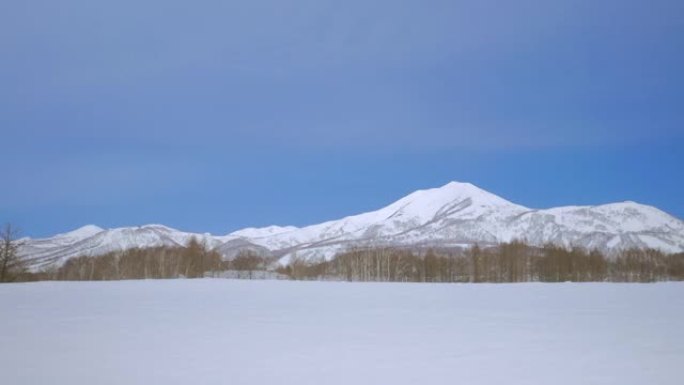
x=453, y=215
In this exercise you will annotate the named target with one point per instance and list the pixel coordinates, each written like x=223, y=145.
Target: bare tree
x=195, y=255
x=10, y=263
x=247, y=260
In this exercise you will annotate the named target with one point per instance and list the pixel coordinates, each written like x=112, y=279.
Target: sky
x=211, y=116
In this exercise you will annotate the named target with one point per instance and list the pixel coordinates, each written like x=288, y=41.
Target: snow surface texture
x=216, y=331
x=454, y=215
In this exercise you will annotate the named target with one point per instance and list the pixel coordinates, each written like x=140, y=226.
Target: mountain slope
x=91, y=240
x=456, y=214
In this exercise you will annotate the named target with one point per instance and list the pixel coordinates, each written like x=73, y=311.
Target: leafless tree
x=10, y=263
x=247, y=260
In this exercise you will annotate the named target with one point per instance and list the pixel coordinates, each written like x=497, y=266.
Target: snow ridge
x=454, y=215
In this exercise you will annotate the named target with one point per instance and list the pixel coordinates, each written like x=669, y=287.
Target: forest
x=509, y=262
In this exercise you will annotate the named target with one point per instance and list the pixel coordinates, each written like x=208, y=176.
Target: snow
x=82, y=232
x=254, y=232
x=74, y=236
x=217, y=331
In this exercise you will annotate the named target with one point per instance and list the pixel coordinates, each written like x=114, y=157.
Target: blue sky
x=214, y=115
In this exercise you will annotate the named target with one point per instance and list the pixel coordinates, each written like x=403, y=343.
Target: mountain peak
x=460, y=191
x=463, y=199
x=456, y=214
x=457, y=184
x=82, y=232
x=464, y=189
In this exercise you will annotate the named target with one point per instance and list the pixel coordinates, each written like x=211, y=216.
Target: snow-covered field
x=218, y=331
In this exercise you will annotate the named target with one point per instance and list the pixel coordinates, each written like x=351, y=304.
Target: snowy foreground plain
x=218, y=331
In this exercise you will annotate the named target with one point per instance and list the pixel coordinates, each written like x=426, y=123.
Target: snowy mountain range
x=454, y=215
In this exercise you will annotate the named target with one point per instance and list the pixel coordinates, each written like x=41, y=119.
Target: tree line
x=192, y=261
x=508, y=262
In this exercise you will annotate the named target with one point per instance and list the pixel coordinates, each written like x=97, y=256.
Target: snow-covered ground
x=217, y=331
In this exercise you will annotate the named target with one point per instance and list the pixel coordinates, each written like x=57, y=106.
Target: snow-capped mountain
x=454, y=215
x=92, y=240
